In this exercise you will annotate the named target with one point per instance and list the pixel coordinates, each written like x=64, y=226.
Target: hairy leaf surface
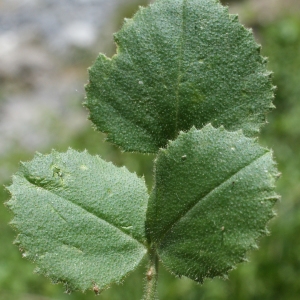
x=212, y=198
x=80, y=218
x=180, y=63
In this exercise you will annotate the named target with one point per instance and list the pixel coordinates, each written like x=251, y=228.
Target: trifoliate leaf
x=80, y=218
x=212, y=198
x=179, y=64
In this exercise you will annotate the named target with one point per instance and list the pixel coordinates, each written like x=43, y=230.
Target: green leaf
x=179, y=64
x=80, y=218
x=212, y=198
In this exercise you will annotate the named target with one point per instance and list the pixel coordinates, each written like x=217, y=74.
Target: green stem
x=151, y=277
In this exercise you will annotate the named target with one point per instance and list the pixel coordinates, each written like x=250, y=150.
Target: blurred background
x=46, y=47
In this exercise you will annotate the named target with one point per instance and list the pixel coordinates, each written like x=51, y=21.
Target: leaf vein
x=120, y=111
x=193, y=205
x=179, y=71
x=83, y=208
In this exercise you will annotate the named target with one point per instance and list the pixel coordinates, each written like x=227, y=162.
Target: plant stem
x=151, y=277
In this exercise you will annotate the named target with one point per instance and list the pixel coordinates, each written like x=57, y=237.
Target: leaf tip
x=71, y=150
x=23, y=164
x=8, y=204
x=53, y=152
x=234, y=17
x=8, y=188
x=269, y=74
x=95, y=288
x=225, y=277
x=265, y=59
x=257, y=46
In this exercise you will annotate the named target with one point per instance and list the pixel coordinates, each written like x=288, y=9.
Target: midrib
x=179, y=71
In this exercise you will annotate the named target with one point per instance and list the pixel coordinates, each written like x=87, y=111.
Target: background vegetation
x=274, y=270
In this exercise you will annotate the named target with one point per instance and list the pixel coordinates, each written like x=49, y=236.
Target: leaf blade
x=213, y=196
x=179, y=64
x=86, y=218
